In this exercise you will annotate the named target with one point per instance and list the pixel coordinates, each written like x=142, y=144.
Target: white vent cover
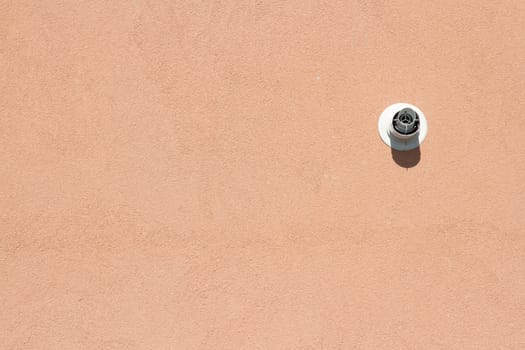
x=407, y=131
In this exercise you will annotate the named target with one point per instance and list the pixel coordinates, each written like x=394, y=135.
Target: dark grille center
x=406, y=121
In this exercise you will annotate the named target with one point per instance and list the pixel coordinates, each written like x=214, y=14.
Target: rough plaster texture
x=208, y=175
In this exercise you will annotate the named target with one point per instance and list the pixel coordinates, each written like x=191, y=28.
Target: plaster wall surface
x=208, y=175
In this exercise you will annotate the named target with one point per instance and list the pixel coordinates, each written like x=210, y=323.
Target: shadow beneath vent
x=406, y=159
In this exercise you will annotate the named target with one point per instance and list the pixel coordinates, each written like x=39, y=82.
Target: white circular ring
x=385, y=121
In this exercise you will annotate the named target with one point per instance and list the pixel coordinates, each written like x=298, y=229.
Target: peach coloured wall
x=208, y=175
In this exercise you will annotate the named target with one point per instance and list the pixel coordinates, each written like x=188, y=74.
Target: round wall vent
x=402, y=126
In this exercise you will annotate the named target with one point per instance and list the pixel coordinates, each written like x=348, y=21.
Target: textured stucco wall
x=208, y=175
